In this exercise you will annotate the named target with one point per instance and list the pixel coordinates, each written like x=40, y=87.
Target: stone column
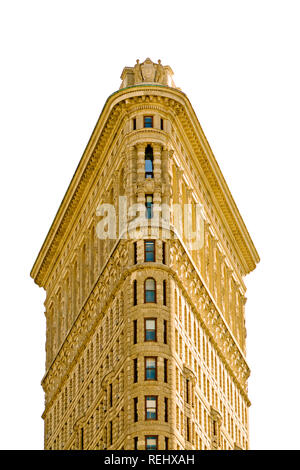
x=130, y=175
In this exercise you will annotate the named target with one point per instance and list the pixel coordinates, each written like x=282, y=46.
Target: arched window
x=150, y=290
x=149, y=162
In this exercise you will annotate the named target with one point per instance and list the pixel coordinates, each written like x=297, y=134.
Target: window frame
x=144, y=120
x=154, y=301
x=149, y=174
x=152, y=203
x=145, y=367
x=145, y=251
x=156, y=407
x=145, y=329
x=151, y=437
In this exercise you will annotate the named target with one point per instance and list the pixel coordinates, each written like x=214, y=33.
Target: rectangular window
x=111, y=395
x=134, y=252
x=165, y=332
x=81, y=439
x=135, y=409
x=111, y=432
x=148, y=121
x=150, y=329
x=136, y=443
x=165, y=292
x=166, y=370
x=134, y=124
x=162, y=124
x=135, y=292
x=187, y=429
x=149, y=250
x=166, y=410
x=151, y=443
x=149, y=205
x=135, y=370
x=164, y=252
x=134, y=331
x=151, y=407
x=150, y=368
x=187, y=391
x=166, y=443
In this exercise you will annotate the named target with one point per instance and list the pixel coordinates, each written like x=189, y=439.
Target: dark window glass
x=81, y=439
x=165, y=332
x=187, y=429
x=149, y=250
x=135, y=292
x=166, y=443
x=151, y=442
x=149, y=206
x=135, y=370
x=162, y=124
x=149, y=162
x=148, y=121
x=150, y=290
x=136, y=443
x=166, y=410
x=166, y=370
x=187, y=391
x=165, y=292
x=150, y=329
x=111, y=395
x=134, y=331
x=164, y=252
x=150, y=366
x=111, y=432
x=134, y=124
x=135, y=410
x=135, y=252
x=214, y=428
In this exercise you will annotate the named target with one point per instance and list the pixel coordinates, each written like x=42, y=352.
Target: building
x=145, y=342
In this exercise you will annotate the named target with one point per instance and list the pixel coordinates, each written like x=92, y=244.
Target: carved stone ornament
x=147, y=72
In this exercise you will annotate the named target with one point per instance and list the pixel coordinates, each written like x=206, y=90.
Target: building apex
x=147, y=72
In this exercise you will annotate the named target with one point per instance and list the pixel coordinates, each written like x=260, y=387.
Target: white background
x=238, y=62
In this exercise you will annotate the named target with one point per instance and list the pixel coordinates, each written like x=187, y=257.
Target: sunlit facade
x=146, y=338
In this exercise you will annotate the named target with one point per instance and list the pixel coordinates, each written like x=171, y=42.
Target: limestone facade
x=144, y=354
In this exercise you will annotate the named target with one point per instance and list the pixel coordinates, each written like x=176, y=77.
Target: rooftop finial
x=147, y=72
